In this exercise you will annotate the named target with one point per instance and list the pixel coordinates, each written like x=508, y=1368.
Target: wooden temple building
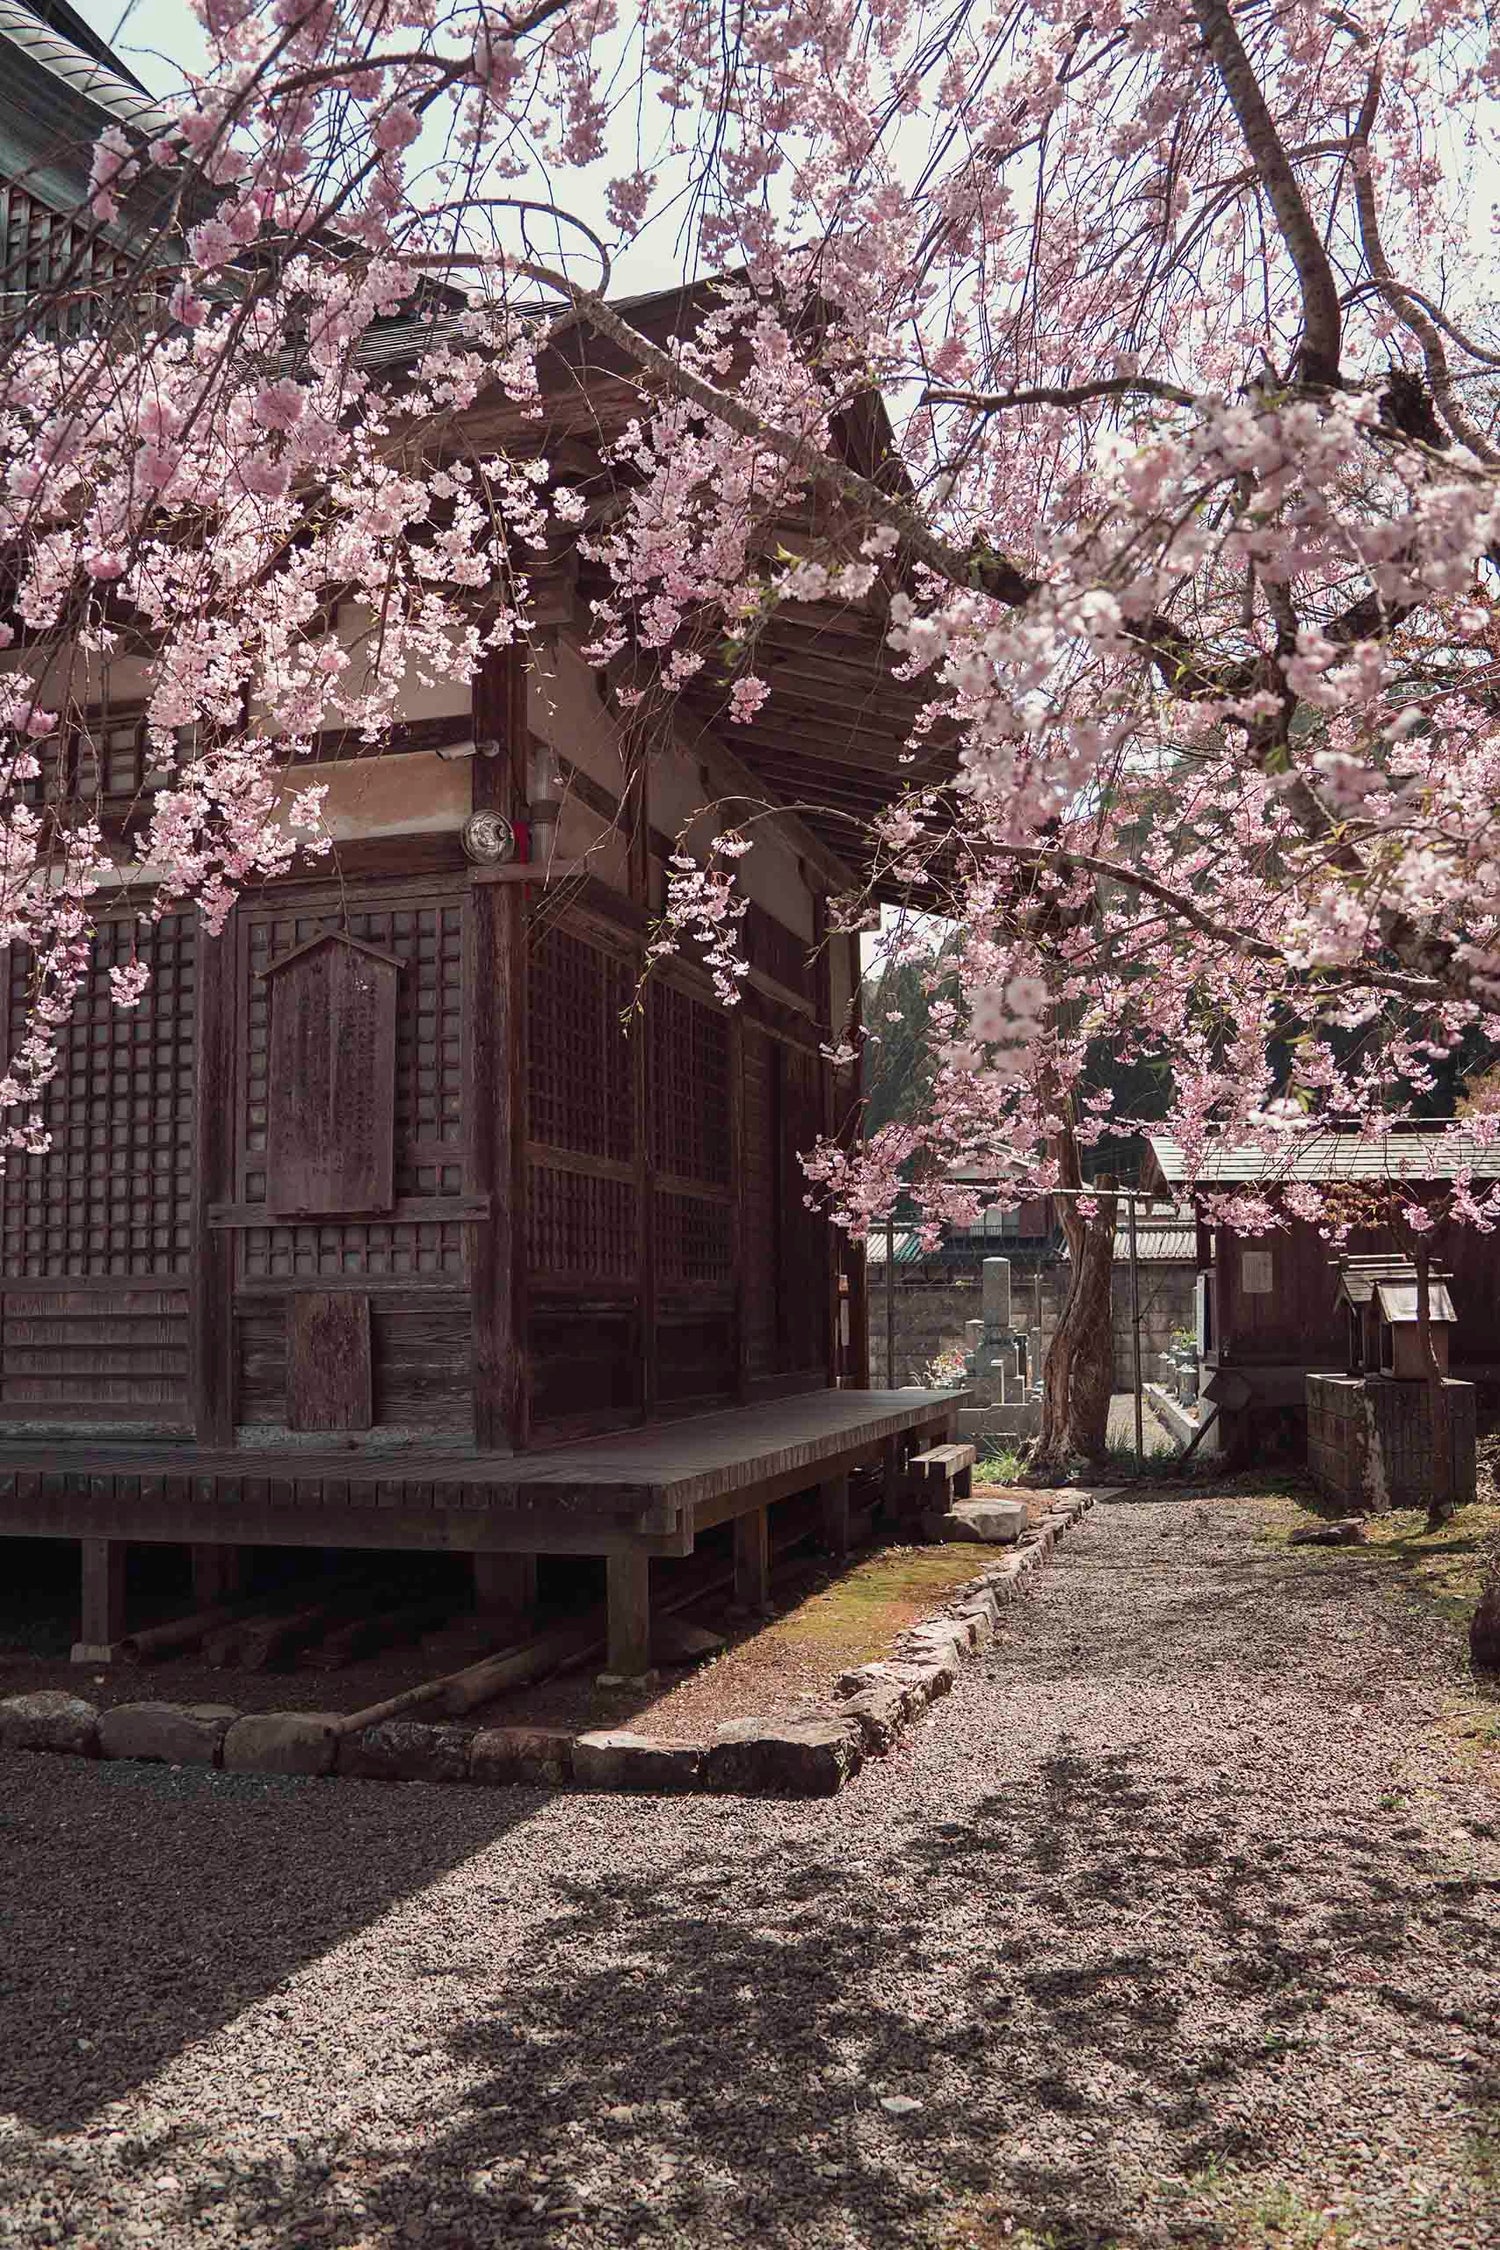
x=405, y=1214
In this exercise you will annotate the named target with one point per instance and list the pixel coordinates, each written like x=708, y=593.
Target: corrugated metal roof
x=908, y=1246
x=1169, y=1245
x=1426, y=1154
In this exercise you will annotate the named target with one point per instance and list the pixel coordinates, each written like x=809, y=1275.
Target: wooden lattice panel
x=112, y=1195
x=398, y=1249
x=803, y=1276
x=689, y=1086
x=759, y=1194
x=581, y=1070
x=40, y=249
x=579, y=1225
x=81, y=1355
x=695, y=1238
x=428, y=941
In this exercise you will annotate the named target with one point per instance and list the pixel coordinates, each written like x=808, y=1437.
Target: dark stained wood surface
x=328, y=1383
x=331, y=1093
x=675, y=1465
x=210, y=1324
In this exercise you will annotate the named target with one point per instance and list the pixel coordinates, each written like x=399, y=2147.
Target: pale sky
x=159, y=39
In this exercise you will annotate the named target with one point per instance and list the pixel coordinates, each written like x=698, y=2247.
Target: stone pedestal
x=1370, y=1440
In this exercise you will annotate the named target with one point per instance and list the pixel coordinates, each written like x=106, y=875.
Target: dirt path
x=1181, y=1923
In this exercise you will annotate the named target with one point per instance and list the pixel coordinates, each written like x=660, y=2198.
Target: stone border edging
x=812, y=1755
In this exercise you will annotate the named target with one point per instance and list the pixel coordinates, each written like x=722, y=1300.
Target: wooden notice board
x=331, y=1082
x=328, y=1361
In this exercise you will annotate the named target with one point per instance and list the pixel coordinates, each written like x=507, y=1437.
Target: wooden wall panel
x=83, y=1355
x=419, y=1363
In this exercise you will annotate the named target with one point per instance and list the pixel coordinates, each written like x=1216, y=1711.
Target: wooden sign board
x=331, y=1084
x=328, y=1361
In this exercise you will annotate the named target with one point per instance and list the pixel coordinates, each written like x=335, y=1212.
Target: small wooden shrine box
x=1379, y=1298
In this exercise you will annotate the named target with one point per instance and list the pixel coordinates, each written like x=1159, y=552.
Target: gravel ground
x=1178, y=1923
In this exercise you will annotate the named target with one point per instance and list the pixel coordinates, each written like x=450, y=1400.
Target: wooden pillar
x=210, y=1335
x=629, y=1587
x=752, y=1560
x=833, y=1498
x=218, y=1574
x=859, y=1317
x=893, y=1477
x=103, y=1601
x=505, y=1585
x=495, y=1091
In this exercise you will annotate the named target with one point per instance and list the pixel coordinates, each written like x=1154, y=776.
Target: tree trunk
x=1078, y=1380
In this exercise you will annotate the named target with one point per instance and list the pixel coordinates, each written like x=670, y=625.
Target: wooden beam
x=741, y=1249
x=733, y=777
x=629, y=1594
x=495, y=1086
x=103, y=1602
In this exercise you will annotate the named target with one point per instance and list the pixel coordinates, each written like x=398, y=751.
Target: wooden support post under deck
x=218, y=1574
x=752, y=1559
x=629, y=1588
x=103, y=1601
x=833, y=1496
x=893, y=1470
x=505, y=1585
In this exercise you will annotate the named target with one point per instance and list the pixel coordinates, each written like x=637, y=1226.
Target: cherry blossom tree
x=1182, y=320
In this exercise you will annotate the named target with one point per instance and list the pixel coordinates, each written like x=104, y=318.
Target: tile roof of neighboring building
x=1424, y=1153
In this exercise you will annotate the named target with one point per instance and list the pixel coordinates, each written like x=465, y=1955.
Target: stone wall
x=930, y=1315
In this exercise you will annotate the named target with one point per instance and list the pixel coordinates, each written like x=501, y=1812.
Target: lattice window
x=108, y=755
x=577, y=1224
x=760, y=1190
x=689, y=1086
x=695, y=1239
x=38, y=247
x=581, y=1076
x=112, y=1195
x=429, y=1041
x=366, y=1249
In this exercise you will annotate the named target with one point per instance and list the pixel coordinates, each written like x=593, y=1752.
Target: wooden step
x=943, y=1473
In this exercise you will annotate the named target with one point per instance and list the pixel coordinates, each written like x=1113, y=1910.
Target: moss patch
x=1442, y=1568
x=848, y=1619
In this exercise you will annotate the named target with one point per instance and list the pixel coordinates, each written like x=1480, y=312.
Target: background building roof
x=1428, y=1152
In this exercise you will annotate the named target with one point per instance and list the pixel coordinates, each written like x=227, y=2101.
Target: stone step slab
x=985, y=1522
x=304, y=1742
x=50, y=1719
x=783, y=1757
x=172, y=1734
x=620, y=1760
x=498, y=1755
x=406, y=1750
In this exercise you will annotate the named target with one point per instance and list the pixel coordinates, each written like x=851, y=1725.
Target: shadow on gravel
x=701, y=2057
x=141, y=1906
